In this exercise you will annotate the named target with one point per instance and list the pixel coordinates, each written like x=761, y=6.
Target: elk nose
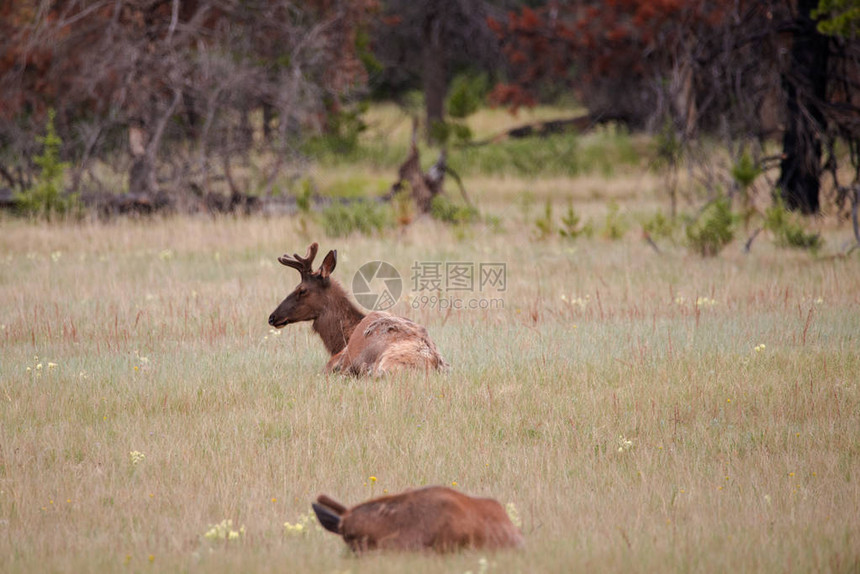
x=272, y=319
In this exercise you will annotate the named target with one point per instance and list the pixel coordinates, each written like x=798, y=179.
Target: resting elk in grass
x=375, y=344
x=433, y=518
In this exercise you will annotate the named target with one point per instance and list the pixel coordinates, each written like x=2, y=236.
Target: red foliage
x=511, y=96
x=46, y=57
x=529, y=20
x=393, y=20
x=598, y=40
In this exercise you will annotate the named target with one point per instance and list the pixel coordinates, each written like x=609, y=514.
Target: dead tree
x=424, y=186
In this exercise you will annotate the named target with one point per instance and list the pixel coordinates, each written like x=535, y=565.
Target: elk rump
x=433, y=518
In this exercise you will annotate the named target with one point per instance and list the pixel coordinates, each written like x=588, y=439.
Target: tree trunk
x=141, y=176
x=434, y=73
x=804, y=85
x=144, y=144
x=269, y=114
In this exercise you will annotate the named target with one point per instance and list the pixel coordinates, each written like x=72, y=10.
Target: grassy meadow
x=642, y=411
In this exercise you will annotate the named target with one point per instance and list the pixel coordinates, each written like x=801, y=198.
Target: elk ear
x=327, y=518
x=328, y=264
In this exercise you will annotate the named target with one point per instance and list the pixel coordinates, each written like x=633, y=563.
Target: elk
x=359, y=344
x=432, y=518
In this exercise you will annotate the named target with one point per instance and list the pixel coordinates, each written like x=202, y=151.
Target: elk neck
x=338, y=320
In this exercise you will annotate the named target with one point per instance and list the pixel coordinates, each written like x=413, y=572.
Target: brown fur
x=383, y=343
x=374, y=344
x=432, y=518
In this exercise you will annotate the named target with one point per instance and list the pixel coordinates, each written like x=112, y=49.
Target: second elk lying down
x=375, y=344
x=432, y=518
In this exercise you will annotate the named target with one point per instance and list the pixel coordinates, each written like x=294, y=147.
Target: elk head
x=311, y=297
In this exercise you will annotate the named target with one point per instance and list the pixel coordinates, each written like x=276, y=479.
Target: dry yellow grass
x=393, y=123
x=642, y=412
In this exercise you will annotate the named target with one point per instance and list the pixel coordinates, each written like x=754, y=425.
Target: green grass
x=739, y=459
x=605, y=151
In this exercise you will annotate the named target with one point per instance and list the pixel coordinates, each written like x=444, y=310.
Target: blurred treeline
x=154, y=97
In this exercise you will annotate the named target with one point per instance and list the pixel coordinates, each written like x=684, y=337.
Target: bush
x=466, y=95
x=47, y=197
x=404, y=206
x=745, y=171
x=444, y=209
x=365, y=217
x=669, y=149
x=614, y=227
x=658, y=226
x=544, y=224
x=570, y=228
x=787, y=229
x=713, y=229
x=305, y=196
x=445, y=131
x=341, y=136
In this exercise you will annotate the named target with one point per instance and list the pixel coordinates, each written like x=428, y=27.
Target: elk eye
x=301, y=291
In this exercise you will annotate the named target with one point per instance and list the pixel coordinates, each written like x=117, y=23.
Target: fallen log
x=577, y=124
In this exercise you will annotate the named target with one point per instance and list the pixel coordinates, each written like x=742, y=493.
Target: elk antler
x=302, y=264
